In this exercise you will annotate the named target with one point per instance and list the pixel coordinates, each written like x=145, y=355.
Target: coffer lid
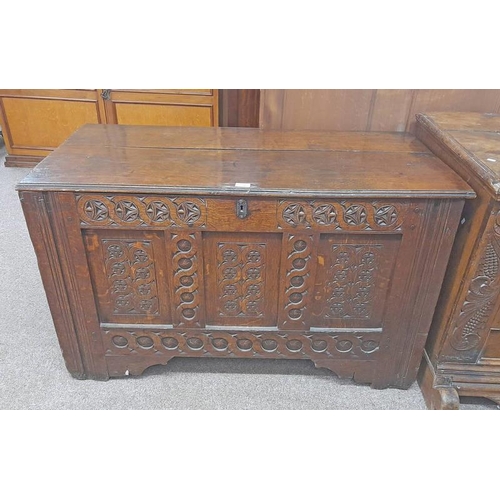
x=473, y=139
x=184, y=160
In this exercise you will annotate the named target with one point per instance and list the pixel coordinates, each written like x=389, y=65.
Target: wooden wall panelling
x=239, y=107
x=324, y=109
x=383, y=110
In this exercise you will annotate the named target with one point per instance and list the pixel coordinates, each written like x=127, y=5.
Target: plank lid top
x=473, y=138
x=121, y=158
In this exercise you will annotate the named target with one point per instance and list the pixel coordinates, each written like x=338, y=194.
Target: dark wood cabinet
x=462, y=356
x=160, y=242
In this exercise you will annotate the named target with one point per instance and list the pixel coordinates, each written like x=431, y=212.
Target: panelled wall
x=368, y=110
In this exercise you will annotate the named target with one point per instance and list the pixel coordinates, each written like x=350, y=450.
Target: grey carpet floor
x=33, y=375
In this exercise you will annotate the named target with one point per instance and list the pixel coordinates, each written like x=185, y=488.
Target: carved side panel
x=352, y=281
x=242, y=278
x=187, y=279
x=349, y=215
x=298, y=272
x=472, y=326
x=97, y=210
x=129, y=276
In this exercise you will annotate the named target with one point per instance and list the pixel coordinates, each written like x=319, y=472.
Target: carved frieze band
x=186, y=279
x=131, y=275
x=344, y=215
x=470, y=329
x=142, y=211
x=241, y=344
x=299, y=279
x=241, y=277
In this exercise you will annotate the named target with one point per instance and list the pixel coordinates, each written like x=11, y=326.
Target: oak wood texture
x=462, y=352
x=377, y=110
x=35, y=122
x=336, y=165
x=337, y=257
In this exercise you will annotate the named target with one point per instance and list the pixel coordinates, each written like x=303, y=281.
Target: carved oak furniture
x=159, y=242
x=462, y=356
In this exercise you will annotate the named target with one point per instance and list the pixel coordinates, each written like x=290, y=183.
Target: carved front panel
x=242, y=278
x=353, y=279
x=128, y=276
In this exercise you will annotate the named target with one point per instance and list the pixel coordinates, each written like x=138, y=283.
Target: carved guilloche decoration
x=186, y=267
x=299, y=276
x=246, y=344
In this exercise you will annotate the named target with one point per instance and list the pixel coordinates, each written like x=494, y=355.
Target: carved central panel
x=241, y=277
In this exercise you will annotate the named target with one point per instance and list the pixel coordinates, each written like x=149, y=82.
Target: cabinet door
x=35, y=122
x=174, y=107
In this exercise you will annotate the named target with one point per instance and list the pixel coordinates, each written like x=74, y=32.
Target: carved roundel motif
x=170, y=342
x=195, y=343
x=269, y=345
x=355, y=215
x=294, y=214
x=343, y=345
x=319, y=345
x=220, y=344
x=96, y=210
x=157, y=211
x=386, y=215
x=188, y=212
x=244, y=344
x=294, y=345
x=145, y=342
x=325, y=215
x=120, y=341
x=127, y=211
x=369, y=346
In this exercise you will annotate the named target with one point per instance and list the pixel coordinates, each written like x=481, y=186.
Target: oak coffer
x=462, y=356
x=156, y=242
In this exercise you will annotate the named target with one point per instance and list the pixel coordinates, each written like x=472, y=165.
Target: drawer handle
x=242, y=209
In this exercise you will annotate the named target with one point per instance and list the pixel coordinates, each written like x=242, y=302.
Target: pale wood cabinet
x=35, y=122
